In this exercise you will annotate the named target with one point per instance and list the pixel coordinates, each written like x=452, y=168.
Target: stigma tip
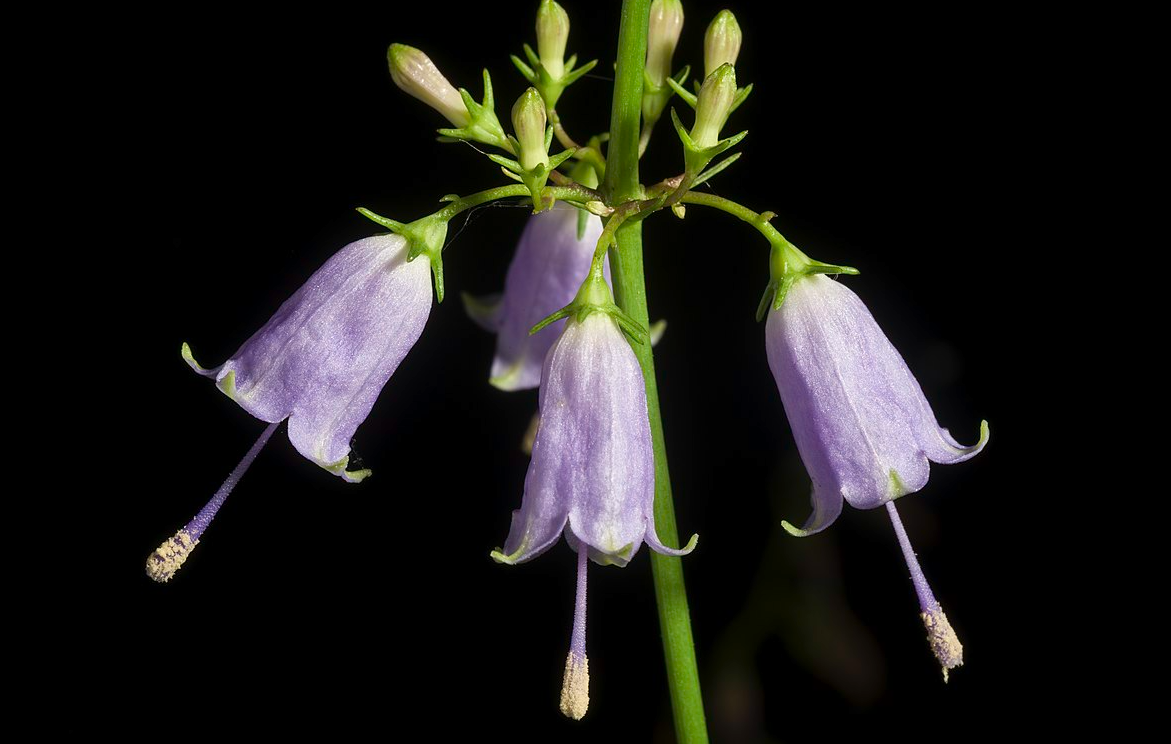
x=944, y=643
x=575, y=687
x=168, y=558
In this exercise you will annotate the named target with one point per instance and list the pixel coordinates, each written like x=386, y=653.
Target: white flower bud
x=416, y=74
x=665, y=26
x=714, y=104
x=552, y=35
x=528, y=121
x=722, y=41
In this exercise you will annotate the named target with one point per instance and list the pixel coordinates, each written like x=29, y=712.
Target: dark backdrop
x=249, y=138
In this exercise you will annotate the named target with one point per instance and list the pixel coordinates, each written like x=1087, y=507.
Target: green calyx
x=695, y=157
x=536, y=177
x=595, y=297
x=787, y=264
x=484, y=126
x=550, y=86
x=425, y=236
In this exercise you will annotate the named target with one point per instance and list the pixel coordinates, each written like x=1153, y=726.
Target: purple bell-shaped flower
x=322, y=359
x=865, y=431
x=320, y=362
x=592, y=473
x=552, y=257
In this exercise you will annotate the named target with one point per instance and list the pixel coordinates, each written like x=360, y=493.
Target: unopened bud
x=416, y=74
x=722, y=41
x=665, y=26
x=528, y=121
x=714, y=104
x=552, y=35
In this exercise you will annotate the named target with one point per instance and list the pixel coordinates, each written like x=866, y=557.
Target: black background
x=249, y=138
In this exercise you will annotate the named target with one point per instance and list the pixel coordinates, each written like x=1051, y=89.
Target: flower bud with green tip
x=547, y=70
x=666, y=23
x=415, y=73
x=529, y=123
x=721, y=42
x=531, y=143
x=712, y=107
x=552, y=36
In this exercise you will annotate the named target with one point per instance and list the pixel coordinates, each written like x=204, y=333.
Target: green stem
x=759, y=220
x=626, y=268
x=565, y=193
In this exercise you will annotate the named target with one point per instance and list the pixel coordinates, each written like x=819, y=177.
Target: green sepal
x=538, y=77
x=688, y=97
x=715, y=169
x=741, y=96
x=525, y=70
x=559, y=158
x=787, y=264
x=484, y=126
x=698, y=158
x=572, y=77
x=583, y=221
x=595, y=296
x=548, y=320
x=424, y=236
x=504, y=162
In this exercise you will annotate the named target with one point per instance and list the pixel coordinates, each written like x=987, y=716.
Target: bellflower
x=592, y=474
x=546, y=271
x=865, y=431
x=322, y=359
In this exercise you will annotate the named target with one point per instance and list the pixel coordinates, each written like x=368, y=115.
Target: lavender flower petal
x=592, y=463
x=863, y=427
x=322, y=359
x=546, y=271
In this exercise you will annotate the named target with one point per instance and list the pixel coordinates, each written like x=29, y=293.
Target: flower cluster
x=862, y=424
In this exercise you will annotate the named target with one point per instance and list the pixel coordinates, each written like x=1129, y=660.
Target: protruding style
x=592, y=472
x=170, y=556
x=863, y=426
x=944, y=642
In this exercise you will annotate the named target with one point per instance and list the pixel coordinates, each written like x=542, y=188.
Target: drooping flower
x=322, y=359
x=546, y=271
x=592, y=473
x=864, y=429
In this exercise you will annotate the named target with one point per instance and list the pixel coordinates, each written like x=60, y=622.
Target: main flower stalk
x=626, y=266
